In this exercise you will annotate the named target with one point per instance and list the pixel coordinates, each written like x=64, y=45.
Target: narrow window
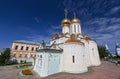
x=22, y=47
x=31, y=55
x=73, y=58
x=20, y=55
x=78, y=28
x=16, y=47
x=74, y=28
x=36, y=49
x=27, y=48
x=34, y=55
x=40, y=59
x=40, y=56
x=25, y=55
x=14, y=55
x=93, y=51
x=32, y=48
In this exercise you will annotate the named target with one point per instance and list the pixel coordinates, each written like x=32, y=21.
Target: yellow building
x=23, y=50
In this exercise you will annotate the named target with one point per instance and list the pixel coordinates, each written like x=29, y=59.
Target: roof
x=87, y=38
x=72, y=40
x=50, y=50
x=25, y=42
x=56, y=36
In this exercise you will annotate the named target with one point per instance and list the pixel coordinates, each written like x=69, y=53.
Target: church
x=69, y=51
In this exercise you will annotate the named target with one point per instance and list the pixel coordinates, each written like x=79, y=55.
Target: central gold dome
x=65, y=22
x=75, y=20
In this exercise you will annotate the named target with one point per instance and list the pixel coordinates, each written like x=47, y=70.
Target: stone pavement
x=11, y=72
x=105, y=71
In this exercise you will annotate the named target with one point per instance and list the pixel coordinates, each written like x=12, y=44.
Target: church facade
x=69, y=51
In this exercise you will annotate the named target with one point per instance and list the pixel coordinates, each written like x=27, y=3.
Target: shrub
x=27, y=72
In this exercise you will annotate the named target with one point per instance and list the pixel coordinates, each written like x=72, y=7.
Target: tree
x=102, y=51
x=5, y=56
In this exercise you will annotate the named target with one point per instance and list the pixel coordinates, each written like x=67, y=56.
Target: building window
x=20, y=55
x=40, y=56
x=78, y=28
x=73, y=59
x=14, y=55
x=25, y=55
x=32, y=48
x=34, y=55
x=27, y=48
x=93, y=51
x=16, y=47
x=74, y=28
x=40, y=60
x=36, y=49
x=22, y=47
x=31, y=55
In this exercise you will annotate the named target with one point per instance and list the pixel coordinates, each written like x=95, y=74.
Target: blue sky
x=35, y=20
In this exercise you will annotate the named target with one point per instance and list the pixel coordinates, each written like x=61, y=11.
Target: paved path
x=11, y=72
x=105, y=71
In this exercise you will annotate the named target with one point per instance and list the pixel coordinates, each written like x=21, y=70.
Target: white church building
x=69, y=51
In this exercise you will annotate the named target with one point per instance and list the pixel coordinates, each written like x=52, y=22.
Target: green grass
x=23, y=65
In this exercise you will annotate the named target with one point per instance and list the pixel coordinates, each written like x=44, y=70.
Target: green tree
x=5, y=56
x=102, y=51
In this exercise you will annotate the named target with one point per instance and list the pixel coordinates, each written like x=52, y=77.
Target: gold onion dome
x=75, y=20
x=65, y=22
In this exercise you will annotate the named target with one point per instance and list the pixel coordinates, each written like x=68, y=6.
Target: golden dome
x=65, y=22
x=75, y=20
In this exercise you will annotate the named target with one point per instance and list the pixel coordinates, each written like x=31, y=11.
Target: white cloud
x=106, y=24
x=56, y=27
x=113, y=27
x=38, y=38
x=113, y=10
x=102, y=36
x=37, y=20
x=104, y=31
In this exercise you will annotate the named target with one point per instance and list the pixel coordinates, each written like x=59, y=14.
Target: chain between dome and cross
x=67, y=22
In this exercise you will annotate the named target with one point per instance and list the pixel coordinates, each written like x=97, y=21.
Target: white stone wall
x=65, y=29
x=87, y=53
x=94, y=55
x=41, y=66
x=75, y=28
x=79, y=65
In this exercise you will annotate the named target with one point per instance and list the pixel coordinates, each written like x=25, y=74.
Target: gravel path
x=105, y=71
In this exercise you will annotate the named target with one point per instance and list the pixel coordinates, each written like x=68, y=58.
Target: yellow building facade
x=23, y=51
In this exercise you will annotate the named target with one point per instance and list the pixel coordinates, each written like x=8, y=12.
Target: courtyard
x=106, y=70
